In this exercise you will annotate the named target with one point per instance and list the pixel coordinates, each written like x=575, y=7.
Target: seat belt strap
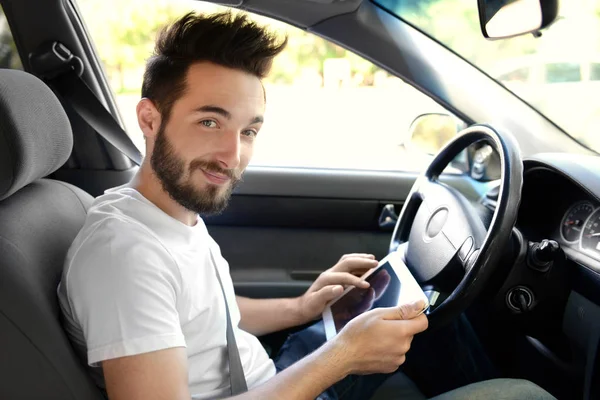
x=237, y=378
x=85, y=103
x=61, y=70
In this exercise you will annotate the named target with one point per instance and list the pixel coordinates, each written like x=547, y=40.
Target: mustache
x=211, y=166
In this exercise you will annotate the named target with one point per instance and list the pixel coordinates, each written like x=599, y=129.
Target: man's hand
x=331, y=283
x=378, y=340
x=357, y=301
x=262, y=316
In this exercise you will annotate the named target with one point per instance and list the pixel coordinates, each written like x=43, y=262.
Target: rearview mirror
x=507, y=18
x=428, y=133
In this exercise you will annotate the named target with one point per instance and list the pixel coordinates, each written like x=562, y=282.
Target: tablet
x=391, y=284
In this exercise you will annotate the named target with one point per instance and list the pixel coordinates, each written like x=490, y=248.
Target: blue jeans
x=300, y=344
x=363, y=387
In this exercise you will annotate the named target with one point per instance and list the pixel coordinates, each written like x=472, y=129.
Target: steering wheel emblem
x=436, y=223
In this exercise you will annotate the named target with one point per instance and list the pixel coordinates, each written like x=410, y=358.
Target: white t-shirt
x=137, y=280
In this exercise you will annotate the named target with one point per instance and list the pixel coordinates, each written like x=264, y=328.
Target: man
x=140, y=290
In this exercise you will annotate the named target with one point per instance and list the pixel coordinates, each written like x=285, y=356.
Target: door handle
x=388, y=218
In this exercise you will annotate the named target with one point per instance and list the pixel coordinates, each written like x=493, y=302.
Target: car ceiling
x=301, y=13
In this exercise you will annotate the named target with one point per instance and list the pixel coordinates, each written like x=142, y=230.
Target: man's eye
x=250, y=133
x=209, y=123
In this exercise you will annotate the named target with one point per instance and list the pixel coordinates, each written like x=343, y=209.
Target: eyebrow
x=226, y=114
x=214, y=109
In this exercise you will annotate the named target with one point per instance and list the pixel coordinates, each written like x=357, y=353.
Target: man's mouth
x=215, y=177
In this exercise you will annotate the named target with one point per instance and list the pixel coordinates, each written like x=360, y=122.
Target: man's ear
x=149, y=118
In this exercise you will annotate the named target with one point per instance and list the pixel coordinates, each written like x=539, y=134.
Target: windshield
x=557, y=73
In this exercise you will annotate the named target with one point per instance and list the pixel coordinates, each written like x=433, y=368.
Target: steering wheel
x=448, y=249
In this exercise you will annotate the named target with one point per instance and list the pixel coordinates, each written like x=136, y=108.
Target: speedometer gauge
x=572, y=223
x=590, y=238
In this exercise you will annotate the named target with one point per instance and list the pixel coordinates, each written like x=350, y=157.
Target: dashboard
x=560, y=204
x=561, y=201
x=580, y=227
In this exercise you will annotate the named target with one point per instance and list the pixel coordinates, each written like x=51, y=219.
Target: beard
x=177, y=182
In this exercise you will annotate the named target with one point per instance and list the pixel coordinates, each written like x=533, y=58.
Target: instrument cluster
x=580, y=227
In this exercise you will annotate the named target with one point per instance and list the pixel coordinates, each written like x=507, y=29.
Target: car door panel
x=296, y=212
x=284, y=226
x=282, y=255
x=326, y=183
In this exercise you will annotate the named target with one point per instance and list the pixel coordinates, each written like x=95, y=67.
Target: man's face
x=200, y=153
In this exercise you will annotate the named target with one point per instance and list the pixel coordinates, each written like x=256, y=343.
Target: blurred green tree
x=124, y=31
x=9, y=56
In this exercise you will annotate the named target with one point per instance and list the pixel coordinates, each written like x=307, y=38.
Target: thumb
x=328, y=293
x=404, y=311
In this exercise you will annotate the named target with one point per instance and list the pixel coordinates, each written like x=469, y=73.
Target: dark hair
x=227, y=39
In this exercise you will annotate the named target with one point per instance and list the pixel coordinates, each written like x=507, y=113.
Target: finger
x=403, y=312
x=328, y=293
x=352, y=264
x=358, y=255
x=405, y=328
x=360, y=272
x=342, y=278
x=367, y=271
x=416, y=325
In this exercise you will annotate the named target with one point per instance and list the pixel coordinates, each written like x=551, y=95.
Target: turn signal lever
x=541, y=255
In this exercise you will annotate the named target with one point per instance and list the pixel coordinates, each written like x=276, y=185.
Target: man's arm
x=157, y=375
x=262, y=316
x=163, y=375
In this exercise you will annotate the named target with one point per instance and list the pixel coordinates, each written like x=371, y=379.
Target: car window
x=326, y=107
x=595, y=72
x=9, y=57
x=563, y=72
x=517, y=75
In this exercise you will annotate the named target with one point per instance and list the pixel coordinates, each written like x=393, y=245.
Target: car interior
x=518, y=265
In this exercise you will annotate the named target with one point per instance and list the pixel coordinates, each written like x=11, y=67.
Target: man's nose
x=228, y=153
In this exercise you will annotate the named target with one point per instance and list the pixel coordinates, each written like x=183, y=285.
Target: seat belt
x=61, y=70
x=237, y=378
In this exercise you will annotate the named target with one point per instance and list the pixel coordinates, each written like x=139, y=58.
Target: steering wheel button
x=466, y=248
x=436, y=222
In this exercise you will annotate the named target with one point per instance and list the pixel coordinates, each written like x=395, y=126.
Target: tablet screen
x=383, y=292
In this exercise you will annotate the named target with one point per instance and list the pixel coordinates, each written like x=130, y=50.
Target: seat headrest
x=35, y=133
